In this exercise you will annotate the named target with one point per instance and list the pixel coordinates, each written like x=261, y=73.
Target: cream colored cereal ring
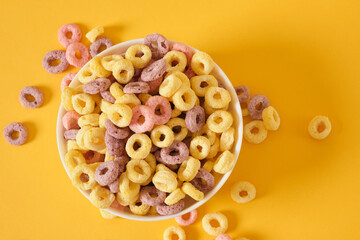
x=255, y=132
x=220, y=121
x=192, y=191
x=138, y=62
x=227, y=139
x=175, y=61
x=225, y=162
x=220, y=218
x=174, y=230
x=217, y=97
x=202, y=63
x=201, y=83
x=101, y=197
x=174, y=197
x=319, y=127
x=188, y=169
x=165, y=181
x=242, y=192
x=200, y=147
x=271, y=118
x=138, y=171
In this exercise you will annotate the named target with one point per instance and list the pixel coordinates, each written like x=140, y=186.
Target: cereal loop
x=158, y=44
x=95, y=46
x=184, y=99
x=161, y=108
x=202, y=63
x=138, y=146
x=71, y=54
x=219, y=121
x=101, y=197
x=188, y=169
x=132, y=54
x=223, y=236
x=136, y=87
x=190, y=190
x=109, y=61
x=70, y=134
x=225, y=162
x=164, y=209
x=120, y=114
x=184, y=49
x=128, y=189
x=97, y=68
x=319, y=127
x=227, y=139
x=107, y=215
x=123, y=71
x=94, y=139
x=186, y=222
x=34, y=93
x=174, y=230
x=140, y=210
x=169, y=86
x=56, y=55
x=147, y=193
x=175, y=61
x=242, y=92
x=73, y=158
x=176, y=153
x=143, y=119
x=66, y=29
x=94, y=33
x=271, y=118
x=174, y=197
x=83, y=103
x=96, y=86
x=217, y=97
x=256, y=104
x=165, y=181
x=203, y=181
x=107, y=173
x=220, y=218
x=201, y=83
x=138, y=171
x=153, y=71
x=178, y=127
x=242, y=192
x=199, y=147
x=86, y=75
x=255, y=132
x=11, y=129
x=83, y=176
x=214, y=148
x=162, y=136
x=195, y=119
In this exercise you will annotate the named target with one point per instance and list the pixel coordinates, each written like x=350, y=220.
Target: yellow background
x=303, y=54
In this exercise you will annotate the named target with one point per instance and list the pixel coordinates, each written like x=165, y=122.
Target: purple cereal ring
x=136, y=87
x=146, y=196
x=106, y=95
x=70, y=120
x=114, y=146
x=12, y=128
x=95, y=46
x=189, y=72
x=70, y=134
x=176, y=153
x=158, y=158
x=164, y=209
x=154, y=85
x=33, y=92
x=203, y=181
x=107, y=173
x=147, y=124
x=67, y=80
x=161, y=108
x=256, y=104
x=158, y=45
x=243, y=93
x=114, y=186
x=93, y=157
x=115, y=131
x=195, y=119
x=53, y=56
x=69, y=28
x=84, y=54
x=122, y=161
x=97, y=85
x=154, y=70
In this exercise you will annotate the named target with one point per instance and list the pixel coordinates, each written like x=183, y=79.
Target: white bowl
x=190, y=204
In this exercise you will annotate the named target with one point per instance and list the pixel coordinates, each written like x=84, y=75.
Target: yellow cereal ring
x=174, y=197
x=319, y=127
x=243, y=192
x=101, y=197
x=173, y=231
x=116, y=90
x=208, y=166
x=200, y=147
x=138, y=146
x=108, y=157
x=138, y=62
x=97, y=68
x=192, y=191
x=162, y=167
x=94, y=139
x=169, y=86
x=271, y=118
x=102, y=117
x=220, y=121
x=128, y=189
x=126, y=200
x=202, y=63
x=165, y=181
x=227, y=139
x=123, y=71
x=141, y=209
x=178, y=127
x=138, y=171
x=184, y=99
x=66, y=96
x=225, y=162
x=217, y=97
x=214, y=148
x=108, y=61
x=89, y=120
x=73, y=158
x=162, y=136
x=72, y=145
x=184, y=79
x=188, y=169
x=120, y=114
x=94, y=33
x=106, y=214
x=151, y=160
x=129, y=99
x=144, y=97
x=80, y=136
x=222, y=223
x=83, y=103
x=175, y=61
x=255, y=132
x=105, y=106
x=206, y=132
x=209, y=110
x=83, y=176
x=86, y=75
x=201, y=83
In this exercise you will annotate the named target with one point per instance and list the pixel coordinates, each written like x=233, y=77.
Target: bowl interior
x=234, y=108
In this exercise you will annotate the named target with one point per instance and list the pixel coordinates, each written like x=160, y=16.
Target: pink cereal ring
x=52, y=56
x=223, y=236
x=184, y=49
x=67, y=80
x=154, y=85
x=106, y=95
x=185, y=222
x=161, y=108
x=93, y=157
x=70, y=120
x=75, y=34
x=84, y=54
x=12, y=128
x=95, y=46
x=70, y=134
x=154, y=70
x=140, y=127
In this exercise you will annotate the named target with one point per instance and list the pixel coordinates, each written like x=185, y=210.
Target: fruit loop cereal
x=34, y=93
x=222, y=222
x=95, y=46
x=223, y=236
x=56, y=55
x=142, y=134
x=94, y=33
x=255, y=132
x=319, y=127
x=257, y=103
x=66, y=29
x=174, y=230
x=73, y=59
x=10, y=133
x=67, y=80
x=185, y=222
x=243, y=192
x=271, y=118
x=243, y=93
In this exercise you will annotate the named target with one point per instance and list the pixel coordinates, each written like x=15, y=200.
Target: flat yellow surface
x=303, y=54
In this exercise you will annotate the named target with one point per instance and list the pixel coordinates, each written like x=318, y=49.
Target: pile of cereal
x=147, y=128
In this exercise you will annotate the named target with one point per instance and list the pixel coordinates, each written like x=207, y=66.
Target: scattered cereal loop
x=13, y=128
x=66, y=29
x=243, y=192
x=319, y=127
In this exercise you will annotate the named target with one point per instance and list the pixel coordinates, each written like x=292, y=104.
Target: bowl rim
x=61, y=143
